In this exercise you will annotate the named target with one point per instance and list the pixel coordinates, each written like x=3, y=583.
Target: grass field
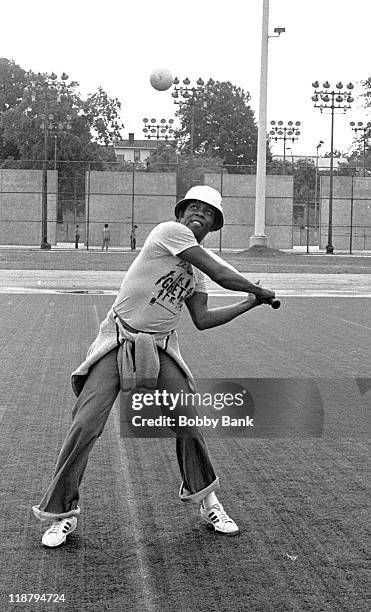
x=301, y=504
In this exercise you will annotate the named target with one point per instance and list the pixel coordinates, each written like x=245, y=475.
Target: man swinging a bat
x=138, y=339
x=201, y=219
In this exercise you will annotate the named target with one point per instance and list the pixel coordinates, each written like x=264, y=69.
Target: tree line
x=224, y=125
x=221, y=119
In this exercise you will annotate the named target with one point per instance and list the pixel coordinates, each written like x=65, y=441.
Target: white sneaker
x=59, y=530
x=219, y=520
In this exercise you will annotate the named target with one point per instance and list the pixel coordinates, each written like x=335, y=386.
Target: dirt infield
x=245, y=261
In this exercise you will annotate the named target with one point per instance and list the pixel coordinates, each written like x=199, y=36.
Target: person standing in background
x=133, y=238
x=106, y=237
x=77, y=236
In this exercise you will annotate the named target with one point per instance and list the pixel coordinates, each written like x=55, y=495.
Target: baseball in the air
x=161, y=79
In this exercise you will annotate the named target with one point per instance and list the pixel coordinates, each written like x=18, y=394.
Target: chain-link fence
x=91, y=194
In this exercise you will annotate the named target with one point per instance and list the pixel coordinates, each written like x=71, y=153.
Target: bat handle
x=274, y=303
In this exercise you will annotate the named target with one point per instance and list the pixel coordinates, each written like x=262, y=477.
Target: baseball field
x=301, y=503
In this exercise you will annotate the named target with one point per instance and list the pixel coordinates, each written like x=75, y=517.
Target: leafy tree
x=355, y=161
x=22, y=124
x=102, y=114
x=276, y=166
x=13, y=80
x=93, y=121
x=304, y=171
x=367, y=93
x=336, y=153
x=304, y=176
x=94, y=124
x=190, y=170
x=361, y=151
x=165, y=159
x=224, y=124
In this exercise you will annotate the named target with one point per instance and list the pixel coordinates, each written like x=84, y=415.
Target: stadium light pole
x=184, y=94
x=41, y=88
x=366, y=129
x=259, y=238
x=59, y=127
x=161, y=130
x=279, y=131
x=316, y=186
x=333, y=100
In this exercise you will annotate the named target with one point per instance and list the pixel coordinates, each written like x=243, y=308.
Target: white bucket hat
x=206, y=194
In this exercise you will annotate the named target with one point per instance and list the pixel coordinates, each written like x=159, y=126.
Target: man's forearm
x=235, y=281
x=222, y=273
x=218, y=316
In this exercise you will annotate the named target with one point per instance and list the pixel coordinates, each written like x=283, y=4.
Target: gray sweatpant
x=90, y=414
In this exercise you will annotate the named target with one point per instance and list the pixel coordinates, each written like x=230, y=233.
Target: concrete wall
x=110, y=200
x=342, y=212
x=20, y=207
x=238, y=193
x=123, y=198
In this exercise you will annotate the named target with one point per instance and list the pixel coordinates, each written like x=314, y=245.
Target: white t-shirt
x=158, y=282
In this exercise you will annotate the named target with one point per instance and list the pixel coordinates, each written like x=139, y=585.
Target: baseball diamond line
x=112, y=279
x=128, y=495
x=108, y=283
x=356, y=292
x=300, y=293
x=131, y=508
x=349, y=322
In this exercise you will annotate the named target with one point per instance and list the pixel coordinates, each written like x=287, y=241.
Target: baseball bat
x=274, y=303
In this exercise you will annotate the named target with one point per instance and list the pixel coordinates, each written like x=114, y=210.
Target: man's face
x=199, y=217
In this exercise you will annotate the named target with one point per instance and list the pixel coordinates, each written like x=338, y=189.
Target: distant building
x=136, y=151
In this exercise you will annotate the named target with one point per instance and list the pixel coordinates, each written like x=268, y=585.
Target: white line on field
x=302, y=293
x=349, y=322
x=131, y=508
x=97, y=316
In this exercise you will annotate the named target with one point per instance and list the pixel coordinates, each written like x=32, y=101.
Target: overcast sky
x=116, y=44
